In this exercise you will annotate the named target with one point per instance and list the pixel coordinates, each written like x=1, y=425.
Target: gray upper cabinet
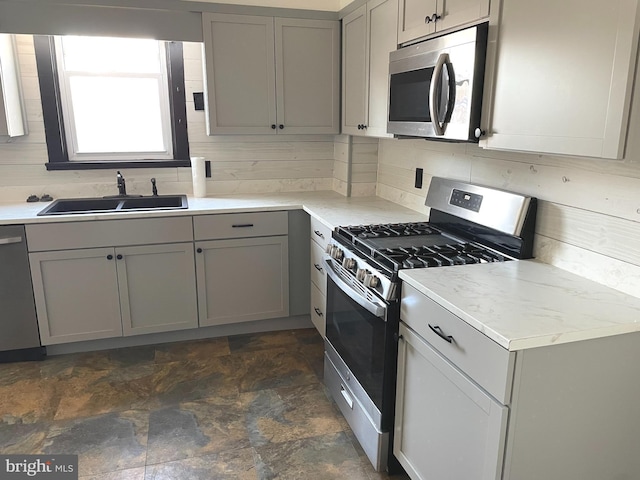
x=570, y=94
x=419, y=18
x=354, y=75
x=369, y=34
x=268, y=75
x=11, y=114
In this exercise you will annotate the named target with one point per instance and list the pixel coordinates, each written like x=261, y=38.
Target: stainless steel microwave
x=435, y=87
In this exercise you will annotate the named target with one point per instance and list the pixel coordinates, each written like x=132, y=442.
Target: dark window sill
x=116, y=165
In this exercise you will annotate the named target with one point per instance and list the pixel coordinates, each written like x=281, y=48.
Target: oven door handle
x=372, y=307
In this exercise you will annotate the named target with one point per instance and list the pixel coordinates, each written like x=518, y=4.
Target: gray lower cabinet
x=109, y=292
x=76, y=294
x=102, y=279
x=242, y=267
x=320, y=235
x=157, y=285
x=267, y=75
x=470, y=409
x=446, y=426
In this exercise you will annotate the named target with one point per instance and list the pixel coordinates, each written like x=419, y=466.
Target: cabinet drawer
x=320, y=233
x=108, y=233
x=318, y=274
x=240, y=225
x=486, y=362
x=318, y=307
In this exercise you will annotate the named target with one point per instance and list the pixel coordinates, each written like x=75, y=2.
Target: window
x=112, y=102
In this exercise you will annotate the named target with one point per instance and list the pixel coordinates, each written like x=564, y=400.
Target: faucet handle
x=154, y=189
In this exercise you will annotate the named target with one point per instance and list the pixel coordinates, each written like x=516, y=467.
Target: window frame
x=54, y=119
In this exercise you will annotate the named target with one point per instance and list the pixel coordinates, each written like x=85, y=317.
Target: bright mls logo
x=57, y=467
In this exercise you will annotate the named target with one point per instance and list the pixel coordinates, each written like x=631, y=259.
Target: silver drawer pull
x=319, y=233
x=318, y=267
x=438, y=331
x=242, y=225
x=9, y=240
x=346, y=396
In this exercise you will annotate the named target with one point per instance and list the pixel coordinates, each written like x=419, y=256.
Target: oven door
x=357, y=330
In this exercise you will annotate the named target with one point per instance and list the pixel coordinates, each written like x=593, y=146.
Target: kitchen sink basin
x=71, y=206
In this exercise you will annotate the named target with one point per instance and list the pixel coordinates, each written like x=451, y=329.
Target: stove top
x=467, y=224
x=413, y=245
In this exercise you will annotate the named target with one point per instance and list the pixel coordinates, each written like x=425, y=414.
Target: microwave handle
x=434, y=104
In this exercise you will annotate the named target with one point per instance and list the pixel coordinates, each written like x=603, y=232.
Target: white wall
x=239, y=163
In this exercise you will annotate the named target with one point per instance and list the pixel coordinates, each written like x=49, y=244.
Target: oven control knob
x=329, y=248
x=371, y=280
x=361, y=273
x=336, y=252
x=348, y=263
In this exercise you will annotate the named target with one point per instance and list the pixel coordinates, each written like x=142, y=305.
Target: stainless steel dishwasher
x=19, y=336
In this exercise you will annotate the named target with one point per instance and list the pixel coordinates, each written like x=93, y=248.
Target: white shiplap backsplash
x=240, y=164
x=589, y=209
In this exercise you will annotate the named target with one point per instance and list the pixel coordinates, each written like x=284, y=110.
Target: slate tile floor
x=241, y=407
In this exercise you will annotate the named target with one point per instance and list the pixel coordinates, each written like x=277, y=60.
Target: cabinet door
x=454, y=13
x=240, y=74
x=157, y=286
x=562, y=81
x=382, y=38
x=354, y=71
x=76, y=294
x=414, y=19
x=243, y=279
x=446, y=427
x=307, y=76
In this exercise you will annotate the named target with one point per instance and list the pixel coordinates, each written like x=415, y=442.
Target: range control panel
x=466, y=200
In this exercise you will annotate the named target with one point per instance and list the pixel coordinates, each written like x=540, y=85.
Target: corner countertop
x=330, y=207
x=527, y=304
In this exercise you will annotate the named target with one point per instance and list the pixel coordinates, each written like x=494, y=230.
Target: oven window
x=359, y=338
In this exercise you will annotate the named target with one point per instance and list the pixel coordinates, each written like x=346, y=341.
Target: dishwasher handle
x=10, y=240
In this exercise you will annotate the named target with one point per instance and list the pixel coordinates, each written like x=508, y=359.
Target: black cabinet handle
x=359, y=126
x=242, y=225
x=119, y=257
x=438, y=331
x=273, y=126
x=433, y=18
x=280, y=126
x=319, y=233
x=397, y=337
x=364, y=127
x=318, y=311
x=109, y=257
x=318, y=267
x=199, y=250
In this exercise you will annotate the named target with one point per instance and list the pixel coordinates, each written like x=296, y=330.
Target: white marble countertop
x=330, y=207
x=526, y=304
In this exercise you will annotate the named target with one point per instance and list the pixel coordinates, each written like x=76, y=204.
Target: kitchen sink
x=71, y=206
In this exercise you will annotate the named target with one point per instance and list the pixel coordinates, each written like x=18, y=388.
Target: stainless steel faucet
x=122, y=186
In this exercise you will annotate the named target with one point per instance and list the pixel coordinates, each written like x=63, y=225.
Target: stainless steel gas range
x=468, y=224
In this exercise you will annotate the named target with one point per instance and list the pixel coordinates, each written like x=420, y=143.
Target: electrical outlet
x=418, y=183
